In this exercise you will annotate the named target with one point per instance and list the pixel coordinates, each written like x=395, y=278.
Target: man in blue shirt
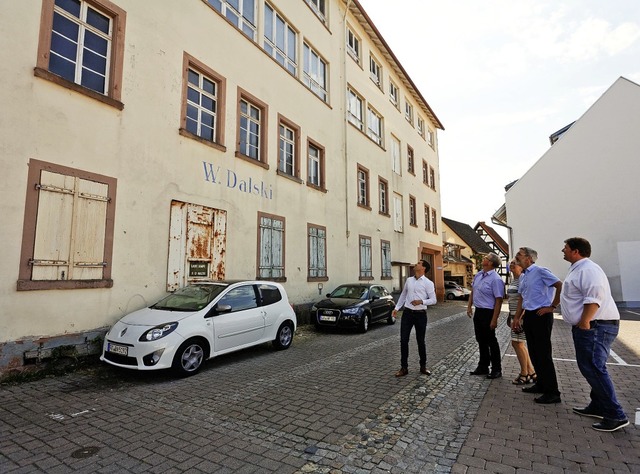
x=538, y=300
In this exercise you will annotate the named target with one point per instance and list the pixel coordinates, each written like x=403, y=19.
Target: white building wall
x=141, y=147
x=585, y=186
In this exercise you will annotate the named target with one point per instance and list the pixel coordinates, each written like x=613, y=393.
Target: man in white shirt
x=587, y=305
x=417, y=294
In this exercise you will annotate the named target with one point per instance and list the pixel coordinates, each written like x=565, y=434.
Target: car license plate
x=117, y=349
x=327, y=318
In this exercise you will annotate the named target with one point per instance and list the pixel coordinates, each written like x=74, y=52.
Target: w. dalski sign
x=226, y=177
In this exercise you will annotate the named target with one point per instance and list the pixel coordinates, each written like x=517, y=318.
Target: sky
x=502, y=76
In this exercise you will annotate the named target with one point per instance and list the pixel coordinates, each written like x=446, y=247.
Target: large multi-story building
x=148, y=144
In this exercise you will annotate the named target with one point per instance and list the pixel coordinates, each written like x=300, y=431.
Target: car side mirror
x=375, y=297
x=218, y=309
x=328, y=295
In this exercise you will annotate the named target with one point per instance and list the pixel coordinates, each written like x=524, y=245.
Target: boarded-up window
x=271, y=247
x=397, y=212
x=317, y=252
x=365, y=258
x=68, y=231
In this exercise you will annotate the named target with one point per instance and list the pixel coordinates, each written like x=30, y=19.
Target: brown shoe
x=402, y=372
x=424, y=371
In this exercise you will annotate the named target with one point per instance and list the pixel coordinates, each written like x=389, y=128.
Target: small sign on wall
x=198, y=269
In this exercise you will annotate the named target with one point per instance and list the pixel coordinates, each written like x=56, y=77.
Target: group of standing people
x=534, y=294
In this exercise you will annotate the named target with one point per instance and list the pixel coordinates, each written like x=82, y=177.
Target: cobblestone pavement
x=328, y=404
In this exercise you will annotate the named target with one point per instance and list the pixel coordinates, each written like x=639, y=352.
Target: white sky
x=503, y=75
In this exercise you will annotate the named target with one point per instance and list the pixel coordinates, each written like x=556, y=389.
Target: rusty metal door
x=197, y=241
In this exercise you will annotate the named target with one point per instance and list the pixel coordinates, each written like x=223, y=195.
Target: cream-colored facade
x=143, y=148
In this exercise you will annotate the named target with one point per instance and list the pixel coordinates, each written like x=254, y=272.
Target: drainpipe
x=344, y=118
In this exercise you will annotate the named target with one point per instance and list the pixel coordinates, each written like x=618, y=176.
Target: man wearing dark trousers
x=588, y=306
x=417, y=294
x=486, y=295
x=538, y=299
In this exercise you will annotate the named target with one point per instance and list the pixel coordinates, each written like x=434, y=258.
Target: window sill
x=363, y=206
x=44, y=74
x=313, y=279
x=288, y=176
x=188, y=134
x=28, y=285
x=251, y=160
x=317, y=188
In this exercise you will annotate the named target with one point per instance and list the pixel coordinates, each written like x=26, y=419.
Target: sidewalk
x=511, y=433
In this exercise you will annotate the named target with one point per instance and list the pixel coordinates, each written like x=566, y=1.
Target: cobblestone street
x=328, y=404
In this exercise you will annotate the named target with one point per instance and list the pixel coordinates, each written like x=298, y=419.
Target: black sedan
x=354, y=306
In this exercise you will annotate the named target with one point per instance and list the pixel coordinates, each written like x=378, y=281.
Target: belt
x=414, y=310
x=612, y=322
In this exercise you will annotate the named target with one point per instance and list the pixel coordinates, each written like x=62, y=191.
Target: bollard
x=638, y=416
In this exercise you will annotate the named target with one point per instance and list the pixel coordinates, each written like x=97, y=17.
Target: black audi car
x=354, y=305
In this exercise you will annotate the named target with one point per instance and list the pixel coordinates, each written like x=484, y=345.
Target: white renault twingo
x=199, y=322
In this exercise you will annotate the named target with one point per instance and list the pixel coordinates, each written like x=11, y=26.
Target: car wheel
x=189, y=358
x=391, y=319
x=364, y=323
x=450, y=296
x=284, y=336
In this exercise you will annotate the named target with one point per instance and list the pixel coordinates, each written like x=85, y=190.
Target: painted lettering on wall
x=226, y=177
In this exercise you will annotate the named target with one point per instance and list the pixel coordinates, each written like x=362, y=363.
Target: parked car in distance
x=355, y=305
x=199, y=322
x=453, y=290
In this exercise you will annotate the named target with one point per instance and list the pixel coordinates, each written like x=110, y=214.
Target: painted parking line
x=619, y=361
x=632, y=312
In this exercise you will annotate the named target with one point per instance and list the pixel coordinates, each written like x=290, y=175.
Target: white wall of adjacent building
x=585, y=186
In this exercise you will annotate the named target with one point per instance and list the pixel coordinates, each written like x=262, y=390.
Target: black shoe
x=609, y=425
x=479, y=371
x=495, y=374
x=425, y=371
x=587, y=412
x=547, y=399
x=533, y=389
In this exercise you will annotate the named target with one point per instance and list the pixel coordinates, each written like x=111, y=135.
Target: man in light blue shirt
x=536, y=303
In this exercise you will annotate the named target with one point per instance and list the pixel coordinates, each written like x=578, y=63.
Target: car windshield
x=189, y=298
x=350, y=291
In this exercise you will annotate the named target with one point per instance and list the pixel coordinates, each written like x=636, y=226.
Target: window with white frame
x=397, y=213
x=271, y=233
x=366, y=271
x=412, y=211
x=81, y=47
x=200, y=114
x=241, y=13
x=425, y=173
x=68, y=229
x=363, y=187
x=280, y=39
x=427, y=218
x=287, y=149
x=430, y=137
x=385, y=258
x=250, y=129
x=317, y=252
x=375, y=71
x=383, y=196
x=315, y=73
x=355, y=109
x=319, y=7
x=394, y=95
x=432, y=177
x=421, y=131
x=353, y=45
x=395, y=155
x=315, y=166
x=408, y=112
x=374, y=126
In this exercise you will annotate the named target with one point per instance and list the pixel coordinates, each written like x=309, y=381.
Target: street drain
x=85, y=452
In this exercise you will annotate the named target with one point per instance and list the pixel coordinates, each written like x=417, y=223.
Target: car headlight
x=158, y=332
x=351, y=310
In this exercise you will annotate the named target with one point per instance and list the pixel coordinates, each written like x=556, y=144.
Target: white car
x=199, y=322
